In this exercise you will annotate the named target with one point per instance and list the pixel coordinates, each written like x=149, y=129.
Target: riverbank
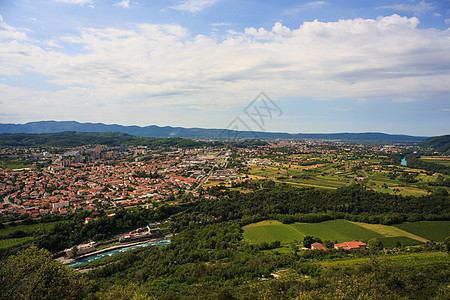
x=70, y=261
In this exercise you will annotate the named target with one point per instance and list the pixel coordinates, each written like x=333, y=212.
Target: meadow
x=14, y=242
x=432, y=230
x=337, y=231
x=271, y=231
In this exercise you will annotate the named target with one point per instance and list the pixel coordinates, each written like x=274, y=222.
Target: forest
x=208, y=257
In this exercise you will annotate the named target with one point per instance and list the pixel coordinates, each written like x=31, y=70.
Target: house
x=319, y=246
x=351, y=246
x=60, y=204
x=81, y=249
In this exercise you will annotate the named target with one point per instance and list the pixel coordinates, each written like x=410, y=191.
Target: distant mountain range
x=167, y=131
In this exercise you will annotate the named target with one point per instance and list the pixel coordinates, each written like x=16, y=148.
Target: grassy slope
x=433, y=230
x=271, y=233
x=14, y=242
x=340, y=230
x=390, y=231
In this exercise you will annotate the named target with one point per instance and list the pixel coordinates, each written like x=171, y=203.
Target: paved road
x=221, y=161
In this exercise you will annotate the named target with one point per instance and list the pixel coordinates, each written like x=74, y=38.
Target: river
x=403, y=162
x=92, y=258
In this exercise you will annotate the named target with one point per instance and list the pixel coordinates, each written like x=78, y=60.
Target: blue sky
x=329, y=66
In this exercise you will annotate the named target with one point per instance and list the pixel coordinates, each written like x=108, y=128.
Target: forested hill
x=73, y=139
x=167, y=131
x=439, y=143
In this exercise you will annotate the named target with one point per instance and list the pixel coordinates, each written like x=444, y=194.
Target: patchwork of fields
x=345, y=231
x=331, y=172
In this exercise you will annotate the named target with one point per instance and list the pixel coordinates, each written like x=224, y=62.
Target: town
x=101, y=177
x=92, y=177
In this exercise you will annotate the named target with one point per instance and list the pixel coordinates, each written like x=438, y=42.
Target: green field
x=391, y=242
x=336, y=230
x=391, y=231
x=328, y=173
x=345, y=231
x=433, y=230
x=9, y=243
x=410, y=259
x=27, y=230
x=442, y=161
x=271, y=233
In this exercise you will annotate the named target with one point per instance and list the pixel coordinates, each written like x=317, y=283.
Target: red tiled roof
x=319, y=246
x=350, y=245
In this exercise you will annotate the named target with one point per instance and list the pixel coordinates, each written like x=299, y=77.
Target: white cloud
x=313, y=4
x=123, y=3
x=194, y=6
x=307, y=6
x=9, y=32
x=79, y=2
x=417, y=9
x=137, y=69
x=221, y=24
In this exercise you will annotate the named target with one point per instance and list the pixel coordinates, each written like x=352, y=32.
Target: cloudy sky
x=329, y=66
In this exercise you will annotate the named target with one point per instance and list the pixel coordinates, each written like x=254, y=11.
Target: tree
x=33, y=274
x=374, y=244
x=74, y=251
x=447, y=244
x=309, y=240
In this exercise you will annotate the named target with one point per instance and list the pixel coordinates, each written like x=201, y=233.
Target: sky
x=322, y=66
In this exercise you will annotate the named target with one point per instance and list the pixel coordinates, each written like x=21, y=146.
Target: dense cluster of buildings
x=88, y=178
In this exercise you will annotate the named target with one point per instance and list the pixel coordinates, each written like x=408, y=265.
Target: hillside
x=439, y=143
x=73, y=139
x=167, y=131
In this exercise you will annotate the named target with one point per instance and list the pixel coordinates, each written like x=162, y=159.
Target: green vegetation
x=271, y=233
x=33, y=274
x=374, y=172
x=396, y=241
x=441, y=161
x=25, y=230
x=289, y=204
x=340, y=230
x=14, y=242
x=211, y=261
x=414, y=161
x=333, y=230
x=231, y=244
x=391, y=231
x=14, y=163
x=71, y=230
x=436, y=231
x=439, y=143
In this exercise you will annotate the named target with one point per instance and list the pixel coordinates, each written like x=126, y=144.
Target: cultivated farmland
x=433, y=230
x=271, y=232
x=333, y=230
